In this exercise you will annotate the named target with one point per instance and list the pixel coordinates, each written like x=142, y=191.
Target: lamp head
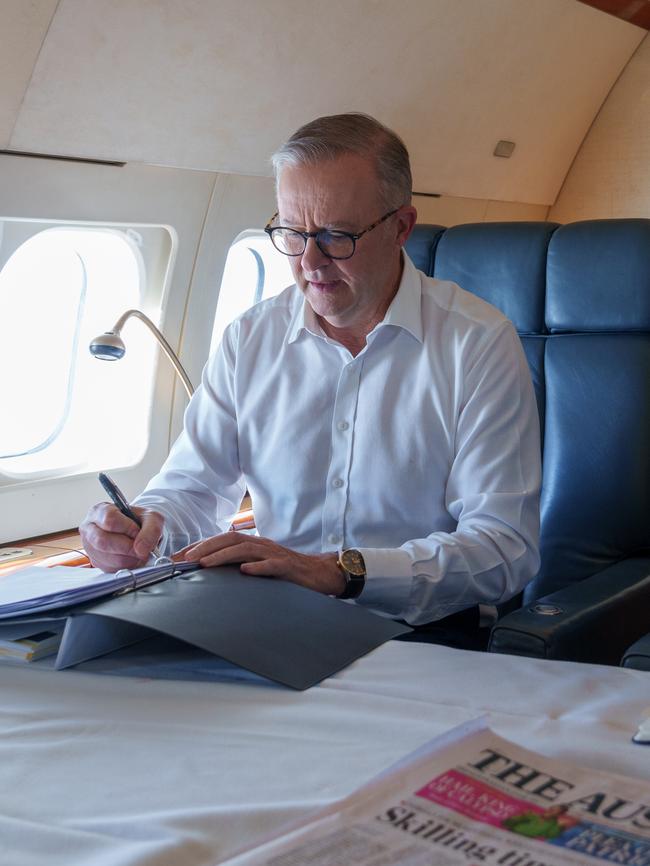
x=108, y=347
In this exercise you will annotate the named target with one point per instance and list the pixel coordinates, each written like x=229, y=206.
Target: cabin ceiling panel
x=218, y=84
x=23, y=26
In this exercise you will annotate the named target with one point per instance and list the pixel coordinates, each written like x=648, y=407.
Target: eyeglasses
x=332, y=243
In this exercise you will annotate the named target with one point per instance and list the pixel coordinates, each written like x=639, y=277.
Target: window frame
x=203, y=211
x=259, y=294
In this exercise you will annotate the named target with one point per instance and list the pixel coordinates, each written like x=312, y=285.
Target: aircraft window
x=254, y=271
x=59, y=288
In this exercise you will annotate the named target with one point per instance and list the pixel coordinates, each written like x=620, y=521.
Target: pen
x=119, y=500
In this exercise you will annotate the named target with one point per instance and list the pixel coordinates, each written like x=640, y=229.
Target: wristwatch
x=354, y=570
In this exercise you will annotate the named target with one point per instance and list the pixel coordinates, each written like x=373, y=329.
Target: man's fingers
x=261, y=557
x=110, y=519
x=246, y=550
x=264, y=568
x=107, y=542
x=149, y=535
x=214, y=545
x=144, y=543
x=114, y=541
x=115, y=563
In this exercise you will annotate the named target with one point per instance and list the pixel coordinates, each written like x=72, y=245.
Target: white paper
x=34, y=589
x=36, y=583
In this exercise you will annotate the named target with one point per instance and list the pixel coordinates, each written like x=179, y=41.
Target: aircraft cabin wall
x=203, y=212
x=610, y=176
x=75, y=89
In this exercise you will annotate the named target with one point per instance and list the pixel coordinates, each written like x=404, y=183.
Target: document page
x=35, y=588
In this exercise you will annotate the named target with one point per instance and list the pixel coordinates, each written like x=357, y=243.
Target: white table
x=117, y=771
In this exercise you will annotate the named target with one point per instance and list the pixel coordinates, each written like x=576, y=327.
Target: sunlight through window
x=64, y=410
x=254, y=271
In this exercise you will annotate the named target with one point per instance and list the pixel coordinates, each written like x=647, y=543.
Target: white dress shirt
x=422, y=451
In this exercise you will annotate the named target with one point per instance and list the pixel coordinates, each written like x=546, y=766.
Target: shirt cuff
x=389, y=577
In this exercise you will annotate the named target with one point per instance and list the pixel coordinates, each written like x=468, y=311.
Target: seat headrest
x=598, y=276
x=421, y=246
x=503, y=263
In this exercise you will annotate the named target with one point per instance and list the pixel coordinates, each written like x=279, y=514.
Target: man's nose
x=313, y=257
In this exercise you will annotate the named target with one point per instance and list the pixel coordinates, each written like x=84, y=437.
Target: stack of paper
x=34, y=590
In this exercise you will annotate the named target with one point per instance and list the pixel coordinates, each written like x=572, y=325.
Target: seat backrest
x=596, y=493
x=505, y=264
x=579, y=296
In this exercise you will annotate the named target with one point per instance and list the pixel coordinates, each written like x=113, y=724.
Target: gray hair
x=330, y=137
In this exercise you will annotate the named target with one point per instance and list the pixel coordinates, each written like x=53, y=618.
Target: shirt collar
x=405, y=310
x=303, y=319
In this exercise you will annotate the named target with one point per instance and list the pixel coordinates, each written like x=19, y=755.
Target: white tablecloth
x=126, y=771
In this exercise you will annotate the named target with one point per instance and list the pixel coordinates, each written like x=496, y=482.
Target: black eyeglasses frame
x=306, y=235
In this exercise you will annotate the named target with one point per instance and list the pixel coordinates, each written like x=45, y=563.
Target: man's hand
x=112, y=541
x=262, y=557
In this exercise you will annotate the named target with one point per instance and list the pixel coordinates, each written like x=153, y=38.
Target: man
x=384, y=422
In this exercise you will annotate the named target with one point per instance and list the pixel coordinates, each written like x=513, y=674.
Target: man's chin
x=331, y=315
x=325, y=303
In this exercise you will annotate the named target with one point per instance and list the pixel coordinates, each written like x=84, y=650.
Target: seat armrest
x=638, y=655
x=594, y=620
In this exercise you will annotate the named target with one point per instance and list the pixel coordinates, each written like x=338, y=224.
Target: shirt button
x=333, y=538
x=338, y=482
x=343, y=425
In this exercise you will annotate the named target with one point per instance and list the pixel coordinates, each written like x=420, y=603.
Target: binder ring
x=126, y=572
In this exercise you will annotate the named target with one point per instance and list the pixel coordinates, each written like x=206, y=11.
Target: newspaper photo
x=472, y=798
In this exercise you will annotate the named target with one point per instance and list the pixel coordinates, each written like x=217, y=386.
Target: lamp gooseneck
x=110, y=346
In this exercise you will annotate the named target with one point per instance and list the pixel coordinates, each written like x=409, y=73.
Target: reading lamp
x=110, y=346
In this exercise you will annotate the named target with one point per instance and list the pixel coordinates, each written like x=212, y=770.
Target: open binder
x=36, y=590
x=281, y=631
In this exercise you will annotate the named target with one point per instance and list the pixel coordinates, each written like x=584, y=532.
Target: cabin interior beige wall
x=453, y=210
x=206, y=211
x=610, y=176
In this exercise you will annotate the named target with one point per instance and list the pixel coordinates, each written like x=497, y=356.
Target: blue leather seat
x=579, y=296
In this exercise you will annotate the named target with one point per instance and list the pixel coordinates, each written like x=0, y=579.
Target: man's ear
x=406, y=219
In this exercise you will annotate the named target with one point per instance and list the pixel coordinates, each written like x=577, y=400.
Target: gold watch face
x=353, y=563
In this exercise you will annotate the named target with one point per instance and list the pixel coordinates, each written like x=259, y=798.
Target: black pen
x=119, y=501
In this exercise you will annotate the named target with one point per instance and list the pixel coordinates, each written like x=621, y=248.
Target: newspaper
x=471, y=797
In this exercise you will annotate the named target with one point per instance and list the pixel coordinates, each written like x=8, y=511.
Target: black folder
x=276, y=629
